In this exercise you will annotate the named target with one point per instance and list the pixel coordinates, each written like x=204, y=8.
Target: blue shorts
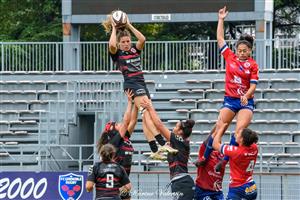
x=234, y=104
x=247, y=191
x=201, y=194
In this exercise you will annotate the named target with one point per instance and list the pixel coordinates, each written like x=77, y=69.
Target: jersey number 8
x=109, y=180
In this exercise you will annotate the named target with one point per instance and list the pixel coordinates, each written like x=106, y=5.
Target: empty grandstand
x=55, y=98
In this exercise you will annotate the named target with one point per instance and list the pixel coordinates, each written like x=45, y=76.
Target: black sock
x=160, y=140
x=153, y=146
x=127, y=134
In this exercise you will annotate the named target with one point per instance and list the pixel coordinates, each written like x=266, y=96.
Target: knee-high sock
x=153, y=146
x=208, y=148
x=160, y=140
x=232, y=142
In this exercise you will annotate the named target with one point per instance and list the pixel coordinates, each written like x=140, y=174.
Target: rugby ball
x=120, y=18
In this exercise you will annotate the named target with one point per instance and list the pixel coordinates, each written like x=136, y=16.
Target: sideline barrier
x=43, y=185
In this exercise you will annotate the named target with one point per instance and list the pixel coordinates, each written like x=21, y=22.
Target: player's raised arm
x=127, y=114
x=141, y=38
x=155, y=118
x=220, y=29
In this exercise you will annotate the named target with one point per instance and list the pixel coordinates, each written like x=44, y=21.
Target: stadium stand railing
x=45, y=118
x=157, y=55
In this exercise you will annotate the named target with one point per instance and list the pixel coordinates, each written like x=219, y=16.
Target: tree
x=286, y=17
x=30, y=20
x=41, y=20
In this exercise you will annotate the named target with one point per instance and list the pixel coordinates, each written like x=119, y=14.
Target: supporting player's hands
x=223, y=13
x=244, y=100
x=129, y=94
x=146, y=103
x=197, y=163
x=220, y=123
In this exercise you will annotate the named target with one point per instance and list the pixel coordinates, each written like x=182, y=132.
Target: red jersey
x=239, y=74
x=207, y=177
x=242, y=160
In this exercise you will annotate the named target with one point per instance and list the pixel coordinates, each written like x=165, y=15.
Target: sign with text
x=43, y=185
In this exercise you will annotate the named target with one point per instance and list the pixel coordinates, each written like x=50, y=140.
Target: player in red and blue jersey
x=127, y=58
x=109, y=177
x=242, y=160
x=209, y=181
x=240, y=83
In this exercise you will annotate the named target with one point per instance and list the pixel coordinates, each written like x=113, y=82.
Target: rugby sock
x=153, y=146
x=160, y=140
x=127, y=134
x=232, y=142
x=208, y=148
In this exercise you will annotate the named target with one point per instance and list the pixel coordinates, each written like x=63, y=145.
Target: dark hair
x=108, y=133
x=249, y=137
x=107, y=152
x=187, y=127
x=122, y=33
x=245, y=39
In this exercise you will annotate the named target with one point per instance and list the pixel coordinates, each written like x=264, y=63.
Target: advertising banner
x=44, y=185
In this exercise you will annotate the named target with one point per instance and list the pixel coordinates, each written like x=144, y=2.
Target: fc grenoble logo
x=70, y=186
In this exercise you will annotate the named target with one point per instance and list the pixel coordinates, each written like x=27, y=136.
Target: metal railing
x=90, y=96
x=60, y=113
x=60, y=155
x=103, y=96
x=157, y=55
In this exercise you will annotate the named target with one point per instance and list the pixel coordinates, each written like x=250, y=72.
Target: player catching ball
x=127, y=57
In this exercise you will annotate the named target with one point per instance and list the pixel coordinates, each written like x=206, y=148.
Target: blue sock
x=209, y=148
x=232, y=142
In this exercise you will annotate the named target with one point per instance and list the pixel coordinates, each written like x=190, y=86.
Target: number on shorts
x=250, y=166
x=109, y=180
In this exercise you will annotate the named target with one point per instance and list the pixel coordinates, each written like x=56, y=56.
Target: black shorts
x=138, y=89
x=183, y=188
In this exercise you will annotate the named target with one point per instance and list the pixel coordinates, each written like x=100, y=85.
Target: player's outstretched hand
x=223, y=13
x=146, y=103
x=113, y=24
x=129, y=94
x=127, y=20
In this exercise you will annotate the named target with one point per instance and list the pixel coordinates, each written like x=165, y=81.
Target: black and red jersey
x=129, y=63
x=108, y=177
x=178, y=163
x=124, y=151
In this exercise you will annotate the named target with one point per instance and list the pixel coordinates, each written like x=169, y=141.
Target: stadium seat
x=4, y=154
